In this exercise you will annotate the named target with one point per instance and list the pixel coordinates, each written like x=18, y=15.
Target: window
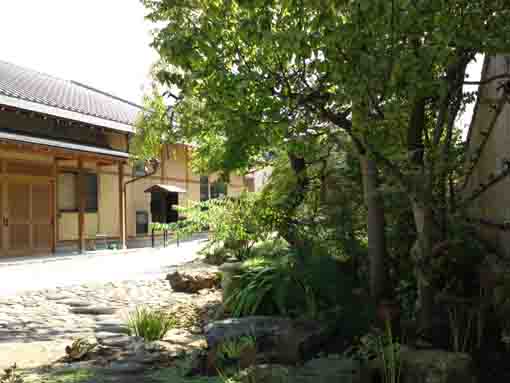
x=91, y=192
x=142, y=222
x=139, y=169
x=210, y=191
x=218, y=189
x=204, y=188
x=67, y=192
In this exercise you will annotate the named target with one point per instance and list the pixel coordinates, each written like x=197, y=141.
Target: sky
x=101, y=43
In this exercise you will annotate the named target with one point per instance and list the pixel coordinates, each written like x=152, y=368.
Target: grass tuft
x=149, y=324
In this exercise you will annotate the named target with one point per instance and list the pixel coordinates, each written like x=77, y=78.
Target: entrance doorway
x=25, y=208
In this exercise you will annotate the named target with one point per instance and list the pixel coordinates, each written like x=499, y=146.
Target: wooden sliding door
x=27, y=217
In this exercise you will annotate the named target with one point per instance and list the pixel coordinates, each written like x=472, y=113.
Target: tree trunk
x=376, y=226
x=288, y=229
x=422, y=253
x=421, y=202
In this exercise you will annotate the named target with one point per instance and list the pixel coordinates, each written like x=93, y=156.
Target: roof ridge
x=105, y=93
x=77, y=83
x=34, y=70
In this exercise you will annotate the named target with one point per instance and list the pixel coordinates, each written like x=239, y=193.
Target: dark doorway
x=172, y=202
x=163, y=205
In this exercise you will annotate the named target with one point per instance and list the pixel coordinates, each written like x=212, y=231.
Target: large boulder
x=280, y=340
x=436, y=366
x=192, y=281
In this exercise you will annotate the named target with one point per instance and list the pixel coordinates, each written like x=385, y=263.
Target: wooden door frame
x=29, y=180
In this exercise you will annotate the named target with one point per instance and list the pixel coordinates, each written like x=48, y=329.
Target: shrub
x=291, y=285
x=149, y=324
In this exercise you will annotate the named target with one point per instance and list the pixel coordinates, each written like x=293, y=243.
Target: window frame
x=146, y=214
x=75, y=175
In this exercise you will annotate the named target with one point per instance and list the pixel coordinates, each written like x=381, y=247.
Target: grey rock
x=281, y=340
x=74, y=303
x=57, y=297
x=436, y=366
x=93, y=310
x=116, y=340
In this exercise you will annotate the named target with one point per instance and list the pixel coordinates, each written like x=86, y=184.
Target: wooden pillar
x=122, y=208
x=54, y=205
x=81, y=206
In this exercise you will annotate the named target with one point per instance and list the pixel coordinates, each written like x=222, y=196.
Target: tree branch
x=488, y=80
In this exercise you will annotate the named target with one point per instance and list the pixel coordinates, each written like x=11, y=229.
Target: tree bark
x=376, y=227
x=421, y=202
x=288, y=229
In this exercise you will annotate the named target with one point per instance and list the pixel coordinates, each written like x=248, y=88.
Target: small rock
x=156, y=346
x=192, y=281
x=57, y=297
x=74, y=303
x=93, y=310
x=117, y=340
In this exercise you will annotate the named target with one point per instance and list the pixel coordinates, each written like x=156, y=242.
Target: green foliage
x=454, y=267
x=75, y=375
x=173, y=375
x=234, y=223
x=292, y=285
x=383, y=346
x=231, y=352
x=149, y=324
x=271, y=248
x=153, y=128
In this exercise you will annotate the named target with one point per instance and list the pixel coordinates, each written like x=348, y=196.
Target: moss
x=173, y=375
x=79, y=375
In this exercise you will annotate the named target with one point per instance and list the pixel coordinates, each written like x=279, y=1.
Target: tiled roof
x=39, y=88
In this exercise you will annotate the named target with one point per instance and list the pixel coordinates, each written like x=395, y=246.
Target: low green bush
x=292, y=285
x=150, y=324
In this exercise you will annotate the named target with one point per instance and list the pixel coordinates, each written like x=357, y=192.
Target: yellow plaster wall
x=172, y=172
x=68, y=225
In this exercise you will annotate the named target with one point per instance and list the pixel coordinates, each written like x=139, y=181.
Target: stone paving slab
x=36, y=326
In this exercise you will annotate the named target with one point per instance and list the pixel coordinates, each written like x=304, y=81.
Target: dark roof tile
x=33, y=86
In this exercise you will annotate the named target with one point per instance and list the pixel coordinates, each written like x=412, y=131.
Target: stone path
x=36, y=326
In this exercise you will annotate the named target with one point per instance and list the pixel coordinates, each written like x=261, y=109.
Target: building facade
x=66, y=179
x=485, y=192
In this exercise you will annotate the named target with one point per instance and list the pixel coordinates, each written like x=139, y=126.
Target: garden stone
x=112, y=326
x=436, y=366
x=93, y=310
x=116, y=340
x=281, y=340
x=192, y=281
x=185, y=338
x=75, y=303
